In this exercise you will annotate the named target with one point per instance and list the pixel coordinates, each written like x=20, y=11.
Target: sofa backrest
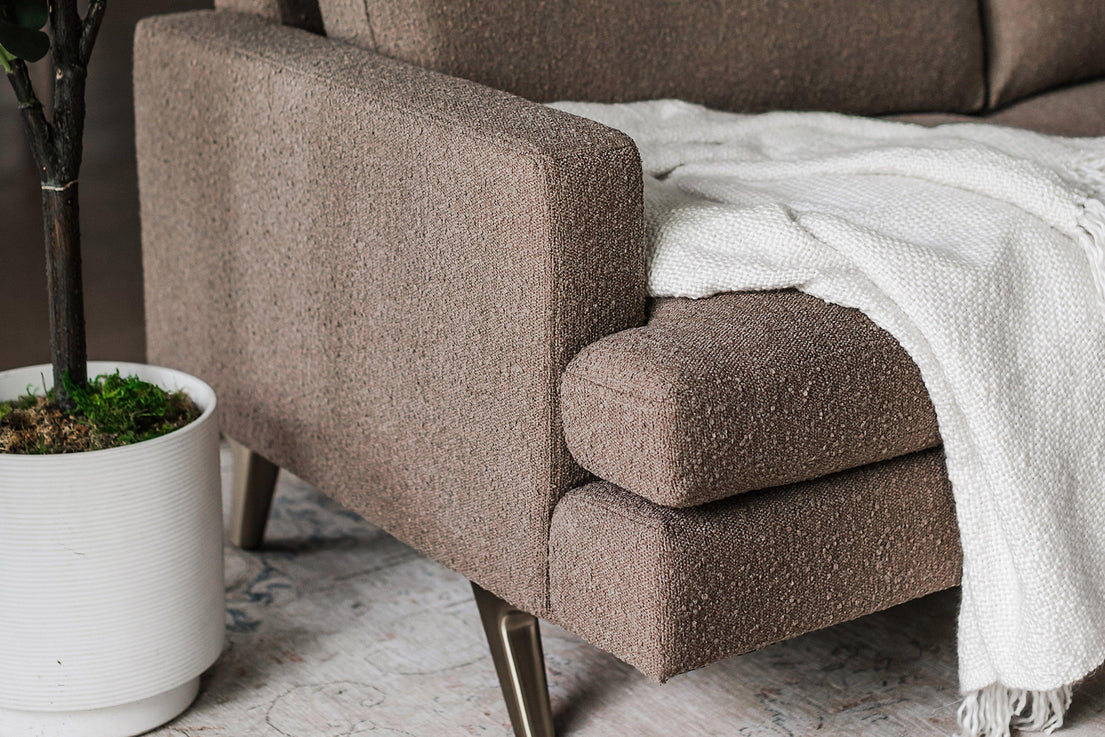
x=860, y=56
x=1034, y=45
x=303, y=14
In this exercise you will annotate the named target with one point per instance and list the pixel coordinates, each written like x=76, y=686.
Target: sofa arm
x=383, y=271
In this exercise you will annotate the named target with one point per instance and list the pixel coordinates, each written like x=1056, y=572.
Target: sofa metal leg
x=254, y=481
x=515, y=640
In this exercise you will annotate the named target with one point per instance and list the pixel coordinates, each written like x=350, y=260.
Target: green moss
x=111, y=411
x=129, y=409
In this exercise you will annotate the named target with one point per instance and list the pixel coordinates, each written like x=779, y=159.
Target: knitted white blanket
x=982, y=250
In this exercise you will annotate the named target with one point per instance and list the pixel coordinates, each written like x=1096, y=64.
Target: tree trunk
x=61, y=223
x=57, y=145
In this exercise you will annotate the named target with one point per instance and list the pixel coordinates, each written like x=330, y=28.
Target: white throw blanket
x=980, y=249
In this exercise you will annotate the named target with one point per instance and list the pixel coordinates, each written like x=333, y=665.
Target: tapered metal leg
x=515, y=640
x=254, y=481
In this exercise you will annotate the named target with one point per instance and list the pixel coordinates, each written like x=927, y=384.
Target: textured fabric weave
x=1035, y=45
x=382, y=271
x=871, y=57
x=737, y=392
x=670, y=590
x=1071, y=111
x=303, y=14
x=982, y=249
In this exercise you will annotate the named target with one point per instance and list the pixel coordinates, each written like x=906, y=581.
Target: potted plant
x=111, y=588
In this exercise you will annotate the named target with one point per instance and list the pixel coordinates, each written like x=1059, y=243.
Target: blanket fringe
x=994, y=710
x=1090, y=172
x=1092, y=240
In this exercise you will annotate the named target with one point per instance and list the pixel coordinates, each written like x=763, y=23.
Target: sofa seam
x=984, y=18
x=683, y=393
x=558, y=353
x=371, y=30
x=607, y=506
x=557, y=476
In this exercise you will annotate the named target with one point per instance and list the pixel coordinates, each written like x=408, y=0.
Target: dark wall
x=109, y=209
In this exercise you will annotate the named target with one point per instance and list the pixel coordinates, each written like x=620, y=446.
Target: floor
x=337, y=629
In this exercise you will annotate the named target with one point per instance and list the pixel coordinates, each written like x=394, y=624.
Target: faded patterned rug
x=337, y=629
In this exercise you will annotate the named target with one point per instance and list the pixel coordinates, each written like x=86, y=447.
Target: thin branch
x=34, y=119
x=92, y=20
x=70, y=71
x=65, y=22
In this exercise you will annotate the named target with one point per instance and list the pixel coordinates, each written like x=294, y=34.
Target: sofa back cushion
x=299, y=13
x=1038, y=44
x=858, y=56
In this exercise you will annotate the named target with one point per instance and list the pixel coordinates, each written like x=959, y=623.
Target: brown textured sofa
x=387, y=220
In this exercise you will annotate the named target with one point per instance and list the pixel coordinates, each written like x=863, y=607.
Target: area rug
x=337, y=629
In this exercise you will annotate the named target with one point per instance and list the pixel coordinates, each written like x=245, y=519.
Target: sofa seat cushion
x=720, y=396
x=741, y=391
x=668, y=590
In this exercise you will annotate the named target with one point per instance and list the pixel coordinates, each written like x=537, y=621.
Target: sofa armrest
x=383, y=271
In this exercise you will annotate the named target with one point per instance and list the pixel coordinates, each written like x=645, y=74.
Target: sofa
x=425, y=292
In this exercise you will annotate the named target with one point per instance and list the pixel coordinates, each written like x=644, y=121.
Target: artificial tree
x=57, y=145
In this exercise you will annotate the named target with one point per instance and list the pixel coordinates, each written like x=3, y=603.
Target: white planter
x=111, y=575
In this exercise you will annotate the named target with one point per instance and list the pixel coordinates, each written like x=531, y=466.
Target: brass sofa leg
x=252, y=487
x=515, y=640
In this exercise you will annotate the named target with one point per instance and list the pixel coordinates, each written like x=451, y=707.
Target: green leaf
x=29, y=14
x=23, y=43
x=6, y=60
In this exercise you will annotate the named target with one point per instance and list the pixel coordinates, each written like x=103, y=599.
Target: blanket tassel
x=1091, y=220
x=992, y=711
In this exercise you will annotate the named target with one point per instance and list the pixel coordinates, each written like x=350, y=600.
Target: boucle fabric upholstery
x=871, y=57
x=1071, y=111
x=669, y=590
x=303, y=14
x=385, y=293
x=1078, y=110
x=742, y=391
x=1034, y=45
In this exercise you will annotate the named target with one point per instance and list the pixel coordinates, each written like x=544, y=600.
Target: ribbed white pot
x=111, y=575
